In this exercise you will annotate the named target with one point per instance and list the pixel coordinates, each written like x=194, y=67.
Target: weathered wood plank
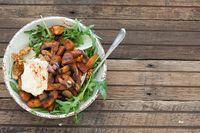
x=107, y=119
x=150, y=78
x=117, y=24
x=99, y=11
x=134, y=37
x=149, y=65
x=22, y=129
x=126, y=105
x=155, y=52
x=154, y=78
x=142, y=93
x=141, y=52
x=110, y=2
x=152, y=65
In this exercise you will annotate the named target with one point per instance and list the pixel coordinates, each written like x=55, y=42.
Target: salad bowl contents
x=49, y=67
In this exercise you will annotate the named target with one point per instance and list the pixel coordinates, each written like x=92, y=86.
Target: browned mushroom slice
x=67, y=58
x=67, y=78
x=50, y=45
x=69, y=45
x=67, y=83
x=51, y=69
x=56, y=59
x=74, y=69
x=19, y=81
x=73, y=91
x=64, y=69
x=33, y=103
x=50, y=108
x=42, y=96
x=80, y=58
x=60, y=51
x=50, y=78
x=54, y=94
x=85, y=59
x=17, y=69
x=67, y=93
x=82, y=67
x=76, y=53
x=46, y=52
x=24, y=95
x=56, y=86
x=77, y=87
x=57, y=29
x=56, y=78
x=50, y=99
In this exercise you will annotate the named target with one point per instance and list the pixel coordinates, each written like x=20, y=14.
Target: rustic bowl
x=20, y=40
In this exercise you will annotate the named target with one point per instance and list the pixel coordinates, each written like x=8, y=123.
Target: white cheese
x=35, y=76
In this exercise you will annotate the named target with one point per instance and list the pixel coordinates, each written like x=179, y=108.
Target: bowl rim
x=84, y=105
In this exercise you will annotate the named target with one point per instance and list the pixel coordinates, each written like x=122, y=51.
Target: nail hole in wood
x=72, y=12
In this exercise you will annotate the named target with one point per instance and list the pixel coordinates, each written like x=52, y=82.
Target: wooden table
x=153, y=77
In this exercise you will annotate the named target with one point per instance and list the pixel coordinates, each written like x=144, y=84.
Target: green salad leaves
x=41, y=34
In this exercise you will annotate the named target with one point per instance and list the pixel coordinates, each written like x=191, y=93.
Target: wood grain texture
x=159, y=119
x=143, y=52
x=110, y=2
x=145, y=93
x=155, y=93
x=22, y=129
x=99, y=11
x=134, y=37
x=150, y=78
x=149, y=65
x=126, y=106
x=116, y=24
x=57, y=129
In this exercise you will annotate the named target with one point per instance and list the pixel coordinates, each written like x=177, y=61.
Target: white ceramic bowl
x=20, y=40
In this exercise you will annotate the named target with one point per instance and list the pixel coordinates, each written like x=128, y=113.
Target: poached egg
x=35, y=76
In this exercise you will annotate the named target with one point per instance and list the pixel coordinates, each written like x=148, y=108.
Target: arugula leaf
x=14, y=86
x=75, y=33
x=101, y=86
x=97, y=62
x=39, y=109
x=77, y=118
x=90, y=51
x=61, y=107
x=37, y=37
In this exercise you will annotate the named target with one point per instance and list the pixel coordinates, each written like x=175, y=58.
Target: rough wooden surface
x=153, y=77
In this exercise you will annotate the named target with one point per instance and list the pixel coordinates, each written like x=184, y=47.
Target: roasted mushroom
x=60, y=51
x=24, y=95
x=56, y=86
x=82, y=67
x=57, y=29
x=33, y=103
x=69, y=45
x=50, y=45
x=67, y=58
x=76, y=53
x=67, y=93
x=64, y=69
x=17, y=69
x=50, y=99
